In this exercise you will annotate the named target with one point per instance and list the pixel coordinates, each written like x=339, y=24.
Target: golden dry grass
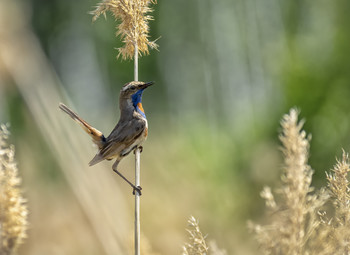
x=197, y=244
x=298, y=221
x=133, y=28
x=13, y=209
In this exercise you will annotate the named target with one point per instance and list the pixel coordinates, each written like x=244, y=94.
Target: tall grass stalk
x=133, y=29
x=137, y=170
x=137, y=202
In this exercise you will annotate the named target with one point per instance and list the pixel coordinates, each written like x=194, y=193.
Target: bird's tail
x=97, y=136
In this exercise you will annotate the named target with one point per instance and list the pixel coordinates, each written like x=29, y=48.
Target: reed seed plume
x=338, y=227
x=133, y=27
x=294, y=219
x=13, y=210
x=197, y=245
x=339, y=187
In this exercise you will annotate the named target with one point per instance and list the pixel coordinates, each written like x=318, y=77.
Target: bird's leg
x=137, y=188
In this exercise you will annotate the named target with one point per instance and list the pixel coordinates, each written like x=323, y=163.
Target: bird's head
x=134, y=87
x=132, y=94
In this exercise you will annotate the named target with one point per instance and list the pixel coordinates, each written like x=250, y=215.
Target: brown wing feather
x=122, y=137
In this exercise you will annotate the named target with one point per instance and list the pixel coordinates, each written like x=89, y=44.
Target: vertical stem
x=137, y=202
x=137, y=171
x=136, y=63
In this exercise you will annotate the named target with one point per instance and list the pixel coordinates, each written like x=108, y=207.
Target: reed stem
x=136, y=63
x=137, y=172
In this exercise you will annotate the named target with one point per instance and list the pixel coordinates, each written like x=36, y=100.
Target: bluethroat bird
x=129, y=133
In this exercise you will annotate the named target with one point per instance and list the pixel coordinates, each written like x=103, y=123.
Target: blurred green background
x=225, y=74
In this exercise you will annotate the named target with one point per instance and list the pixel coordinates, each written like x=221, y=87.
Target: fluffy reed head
x=337, y=228
x=339, y=186
x=297, y=225
x=197, y=245
x=294, y=220
x=133, y=28
x=13, y=211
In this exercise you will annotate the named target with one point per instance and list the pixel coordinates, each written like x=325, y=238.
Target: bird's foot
x=137, y=189
x=141, y=149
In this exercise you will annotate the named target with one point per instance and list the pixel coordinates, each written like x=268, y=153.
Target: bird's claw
x=141, y=149
x=138, y=189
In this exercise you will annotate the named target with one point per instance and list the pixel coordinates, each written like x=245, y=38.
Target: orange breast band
x=139, y=105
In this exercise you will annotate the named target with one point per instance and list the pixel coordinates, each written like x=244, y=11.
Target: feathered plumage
x=129, y=133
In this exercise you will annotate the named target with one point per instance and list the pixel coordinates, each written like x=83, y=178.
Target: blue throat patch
x=136, y=101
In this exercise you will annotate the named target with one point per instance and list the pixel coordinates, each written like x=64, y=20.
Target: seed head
x=133, y=28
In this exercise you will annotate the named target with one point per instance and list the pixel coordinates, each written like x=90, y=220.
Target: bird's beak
x=147, y=84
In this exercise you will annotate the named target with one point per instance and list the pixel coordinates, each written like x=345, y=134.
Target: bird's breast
x=139, y=109
x=139, y=105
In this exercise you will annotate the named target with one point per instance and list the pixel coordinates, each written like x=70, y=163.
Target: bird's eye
x=132, y=88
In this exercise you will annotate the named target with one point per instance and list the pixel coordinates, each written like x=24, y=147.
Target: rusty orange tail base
x=96, y=135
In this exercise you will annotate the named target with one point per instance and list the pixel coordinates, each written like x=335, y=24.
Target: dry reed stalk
x=13, y=209
x=133, y=30
x=294, y=219
x=137, y=231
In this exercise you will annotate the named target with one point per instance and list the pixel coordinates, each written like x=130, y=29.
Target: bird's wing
x=122, y=137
